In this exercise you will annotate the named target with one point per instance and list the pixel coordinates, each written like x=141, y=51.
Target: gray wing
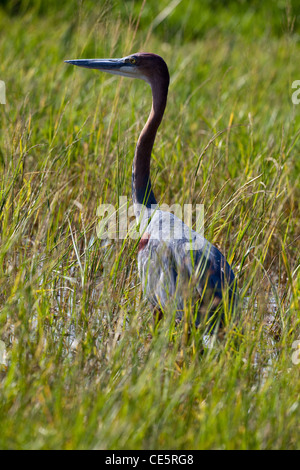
x=173, y=269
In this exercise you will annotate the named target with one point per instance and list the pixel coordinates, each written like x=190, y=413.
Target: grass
x=84, y=366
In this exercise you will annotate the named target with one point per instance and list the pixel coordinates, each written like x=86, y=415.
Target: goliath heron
x=177, y=266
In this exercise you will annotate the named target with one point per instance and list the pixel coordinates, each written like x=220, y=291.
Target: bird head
x=146, y=66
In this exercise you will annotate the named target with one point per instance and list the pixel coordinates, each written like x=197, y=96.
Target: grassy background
x=84, y=367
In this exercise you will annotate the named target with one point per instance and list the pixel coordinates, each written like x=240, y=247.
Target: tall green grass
x=85, y=367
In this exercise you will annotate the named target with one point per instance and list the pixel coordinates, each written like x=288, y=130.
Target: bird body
x=177, y=266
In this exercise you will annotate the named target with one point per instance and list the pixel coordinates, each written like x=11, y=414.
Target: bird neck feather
x=141, y=184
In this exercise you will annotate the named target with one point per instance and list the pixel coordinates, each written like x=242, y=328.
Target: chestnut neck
x=141, y=184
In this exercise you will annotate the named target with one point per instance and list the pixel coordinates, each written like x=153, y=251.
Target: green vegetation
x=85, y=368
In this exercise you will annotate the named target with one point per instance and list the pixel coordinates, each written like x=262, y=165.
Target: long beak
x=114, y=66
x=107, y=65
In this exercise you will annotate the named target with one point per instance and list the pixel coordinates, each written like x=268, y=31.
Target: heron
x=177, y=266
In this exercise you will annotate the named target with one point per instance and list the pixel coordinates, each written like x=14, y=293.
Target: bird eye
x=132, y=60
